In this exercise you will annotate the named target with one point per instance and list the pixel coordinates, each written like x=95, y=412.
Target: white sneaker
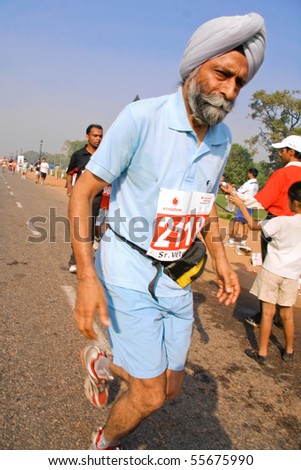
x=73, y=268
x=96, y=383
x=96, y=442
x=230, y=242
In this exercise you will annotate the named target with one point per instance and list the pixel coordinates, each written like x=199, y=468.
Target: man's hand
x=236, y=200
x=228, y=188
x=228, y=283
x=90, y=298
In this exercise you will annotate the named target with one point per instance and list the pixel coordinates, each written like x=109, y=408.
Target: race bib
x=180, y=216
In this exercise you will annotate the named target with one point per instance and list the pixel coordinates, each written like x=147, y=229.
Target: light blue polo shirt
x=151, y=145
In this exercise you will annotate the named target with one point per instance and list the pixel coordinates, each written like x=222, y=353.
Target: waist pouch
x=190, y=266
x=183, y=271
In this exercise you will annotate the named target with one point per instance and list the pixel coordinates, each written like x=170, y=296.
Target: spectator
x=56, y=171
x=277, y=282
x=248, y=189
x=274, y=196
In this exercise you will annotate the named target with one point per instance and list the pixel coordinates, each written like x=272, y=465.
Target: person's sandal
x=287, y=357
x=256, y=357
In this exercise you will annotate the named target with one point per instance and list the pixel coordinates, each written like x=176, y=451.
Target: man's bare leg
x=143, y=397
x=287, y=316
x=268, y=312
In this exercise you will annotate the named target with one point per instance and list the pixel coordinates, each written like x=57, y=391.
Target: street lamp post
x=41, y=144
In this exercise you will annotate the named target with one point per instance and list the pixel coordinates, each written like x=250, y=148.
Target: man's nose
x=230, y=89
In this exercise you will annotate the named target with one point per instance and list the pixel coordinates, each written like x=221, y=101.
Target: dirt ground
x=229, y=401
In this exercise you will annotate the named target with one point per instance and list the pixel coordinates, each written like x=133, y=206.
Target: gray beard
x=207, y=109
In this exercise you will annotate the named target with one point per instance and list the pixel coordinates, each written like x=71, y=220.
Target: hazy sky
x=67, y=63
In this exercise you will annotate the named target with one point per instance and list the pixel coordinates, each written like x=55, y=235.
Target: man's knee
x=148, y=394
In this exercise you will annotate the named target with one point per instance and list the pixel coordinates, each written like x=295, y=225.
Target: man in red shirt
x=274, y=196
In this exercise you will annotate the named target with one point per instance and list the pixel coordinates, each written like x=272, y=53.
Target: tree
x=264, y=171
x=71, y=146
x=280, y=116
x=239, y=162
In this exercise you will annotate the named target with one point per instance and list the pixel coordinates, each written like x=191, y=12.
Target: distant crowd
x=41, y=168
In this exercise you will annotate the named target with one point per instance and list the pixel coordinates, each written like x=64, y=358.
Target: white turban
x=221, y=35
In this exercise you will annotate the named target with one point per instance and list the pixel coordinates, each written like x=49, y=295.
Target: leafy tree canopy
x=280, y=115
x=239, y=162
x=264, y=171
x=71, y=146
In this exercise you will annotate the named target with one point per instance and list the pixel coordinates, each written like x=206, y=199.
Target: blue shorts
x=148, y=337
x=240, y=218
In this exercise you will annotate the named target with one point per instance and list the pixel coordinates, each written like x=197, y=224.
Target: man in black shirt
x=78, y=162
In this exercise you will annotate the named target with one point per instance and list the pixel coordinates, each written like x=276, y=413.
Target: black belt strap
x=155, y=262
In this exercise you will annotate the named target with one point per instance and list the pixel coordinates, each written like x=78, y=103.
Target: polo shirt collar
x=293, y=164
x=177, y=115
x=85, y=151
x=178, y=120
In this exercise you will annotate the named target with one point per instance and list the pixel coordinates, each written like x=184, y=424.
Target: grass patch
x=258, y=214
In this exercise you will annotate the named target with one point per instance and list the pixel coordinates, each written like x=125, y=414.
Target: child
x=248, y=189
x=277, y=282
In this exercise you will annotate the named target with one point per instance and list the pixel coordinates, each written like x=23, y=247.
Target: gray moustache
x=219, y=102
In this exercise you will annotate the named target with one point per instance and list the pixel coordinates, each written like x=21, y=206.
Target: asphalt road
x=228, y=402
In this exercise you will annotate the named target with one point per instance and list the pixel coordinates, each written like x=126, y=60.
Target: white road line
x=11, y=193
x=102, y=339
x=8, y=187
x=19, y=205
x=71, y=295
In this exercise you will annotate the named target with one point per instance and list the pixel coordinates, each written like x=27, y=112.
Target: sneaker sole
x=93, y=378
x=98, y=381
x=287, y=357
x=261, y=360
x=252, y=323
x=98, y=398
x=96, y=391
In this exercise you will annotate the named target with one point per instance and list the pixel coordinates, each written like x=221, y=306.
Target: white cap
x=292, y=142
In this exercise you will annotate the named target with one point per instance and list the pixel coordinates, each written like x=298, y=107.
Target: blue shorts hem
x=140, y=375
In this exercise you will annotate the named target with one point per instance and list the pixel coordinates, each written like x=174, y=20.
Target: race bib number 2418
x=180, y=216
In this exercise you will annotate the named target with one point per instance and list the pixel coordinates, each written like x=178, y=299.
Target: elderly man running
x=164, y=157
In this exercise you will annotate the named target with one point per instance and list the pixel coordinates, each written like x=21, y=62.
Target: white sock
x=103, y=442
